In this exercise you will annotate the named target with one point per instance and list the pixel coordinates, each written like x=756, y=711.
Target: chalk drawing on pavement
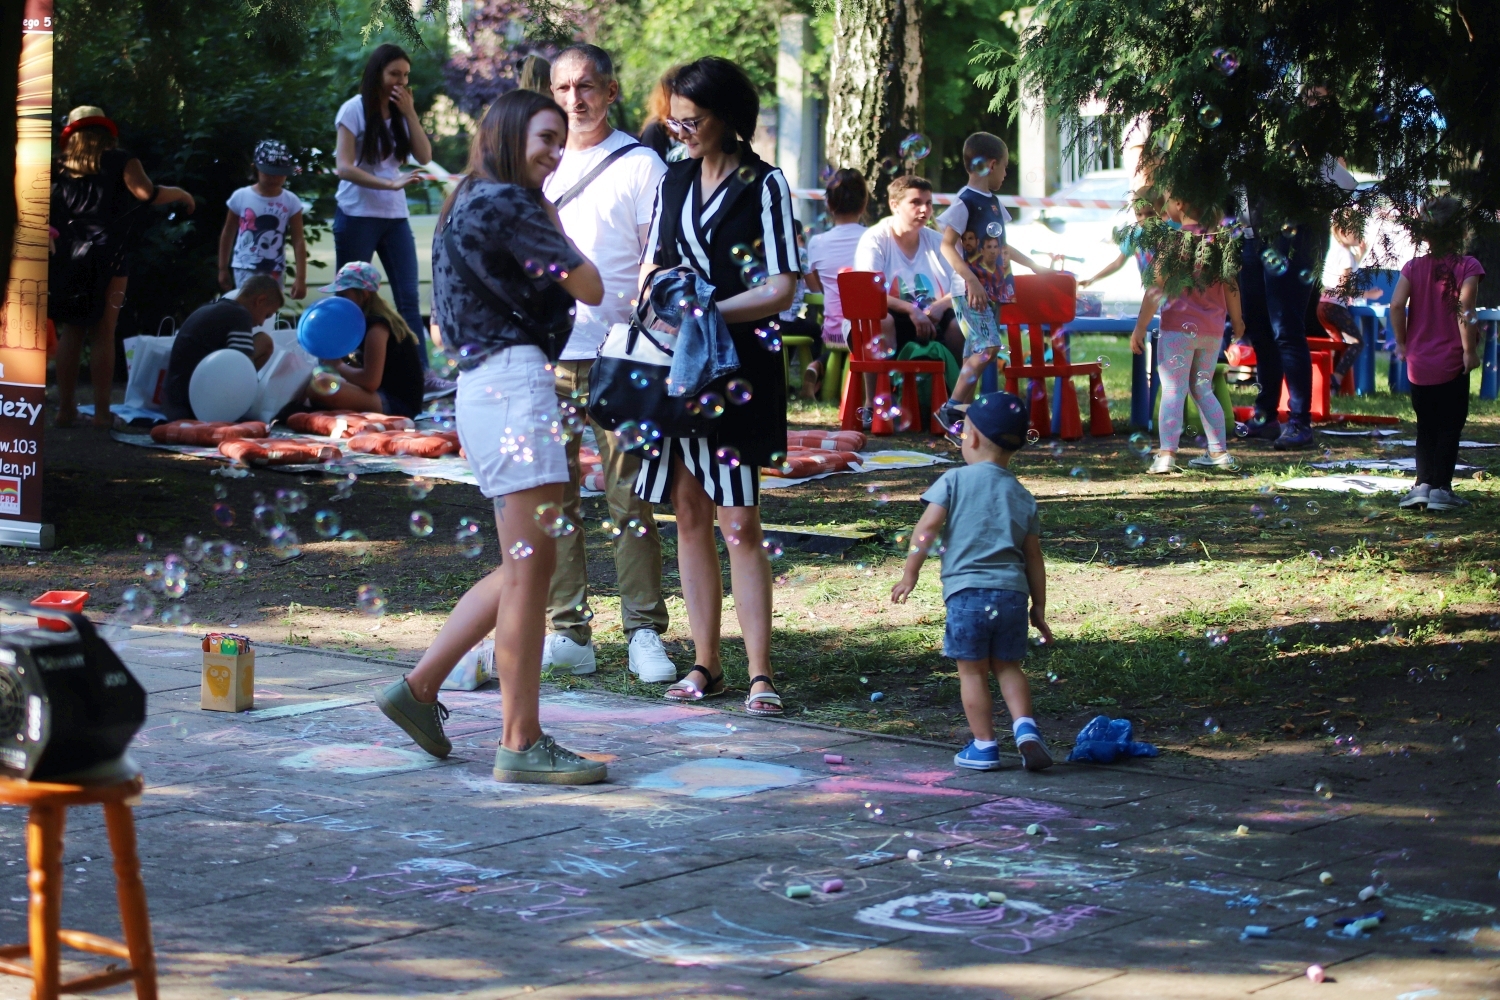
x=717, y=778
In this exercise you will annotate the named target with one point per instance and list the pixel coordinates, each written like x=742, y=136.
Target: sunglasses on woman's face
x=686, y=126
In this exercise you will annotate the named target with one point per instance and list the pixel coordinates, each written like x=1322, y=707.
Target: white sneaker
x=560, y=651
x=648, y=660
x=1223, y=460
x=1164, y=463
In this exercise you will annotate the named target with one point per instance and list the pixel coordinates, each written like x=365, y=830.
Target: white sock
x=986, y=744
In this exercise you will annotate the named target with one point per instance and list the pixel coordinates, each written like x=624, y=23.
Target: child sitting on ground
x=975, y=217
x=992, y=564
x=1192, y=335
x=1437, y=335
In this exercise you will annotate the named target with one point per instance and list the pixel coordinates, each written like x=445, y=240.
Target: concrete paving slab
x=1381, y=976
x=1085, y=785
x=647, y=980
x=904, y=970
x=1257, y=852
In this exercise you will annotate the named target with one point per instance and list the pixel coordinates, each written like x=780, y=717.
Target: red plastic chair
x=1044, y=303
x=862, y=298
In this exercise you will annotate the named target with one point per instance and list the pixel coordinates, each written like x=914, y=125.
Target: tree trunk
x=874, y=84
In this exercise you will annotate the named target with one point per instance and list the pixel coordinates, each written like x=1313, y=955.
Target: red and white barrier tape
x=1008, y=200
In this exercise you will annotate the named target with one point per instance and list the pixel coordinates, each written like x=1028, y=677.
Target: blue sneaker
x=1034, y=755
x=976, y=759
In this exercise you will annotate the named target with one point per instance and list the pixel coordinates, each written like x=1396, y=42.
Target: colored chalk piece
x=1255, y=931
x=1315, y=973
x=1310, y=922
x=877, y=696
x=833, y=885
x=833, y=758
x=997, y=898
x=1033, y=830
x=981, y=900
x=798, y=891
x=228, y=674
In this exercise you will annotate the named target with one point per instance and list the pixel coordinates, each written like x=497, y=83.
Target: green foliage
x=648, y=37
x=1257, y=95
x=193, y=86
x=1183, y=260
x=954, y=105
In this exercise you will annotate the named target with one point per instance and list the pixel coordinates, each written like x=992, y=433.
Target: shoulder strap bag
x=588, y=178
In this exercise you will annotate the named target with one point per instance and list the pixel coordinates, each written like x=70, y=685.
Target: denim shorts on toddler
x=980, y=326
x=986, y=624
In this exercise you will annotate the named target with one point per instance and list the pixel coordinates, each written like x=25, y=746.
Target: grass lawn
x=1323, y=606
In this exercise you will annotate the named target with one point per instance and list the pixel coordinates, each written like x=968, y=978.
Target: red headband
x=100, y=120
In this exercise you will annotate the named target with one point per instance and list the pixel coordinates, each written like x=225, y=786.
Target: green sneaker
x=423, y=722
x=546, y=763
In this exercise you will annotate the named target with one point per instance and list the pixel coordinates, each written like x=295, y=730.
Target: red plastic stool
x=1048, y=302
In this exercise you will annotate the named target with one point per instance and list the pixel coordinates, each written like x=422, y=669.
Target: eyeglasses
x=686, y=126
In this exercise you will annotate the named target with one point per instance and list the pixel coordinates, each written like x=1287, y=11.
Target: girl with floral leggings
x=1192, y=334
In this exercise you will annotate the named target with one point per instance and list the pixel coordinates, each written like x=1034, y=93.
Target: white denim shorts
x=507, y=422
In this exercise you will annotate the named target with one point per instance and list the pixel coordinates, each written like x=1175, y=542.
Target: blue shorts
x=980, y=326
x=987, y=624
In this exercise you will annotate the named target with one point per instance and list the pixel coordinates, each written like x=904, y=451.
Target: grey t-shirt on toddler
x=989, y=516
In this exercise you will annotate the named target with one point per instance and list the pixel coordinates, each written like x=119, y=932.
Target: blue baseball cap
x=1002, y=417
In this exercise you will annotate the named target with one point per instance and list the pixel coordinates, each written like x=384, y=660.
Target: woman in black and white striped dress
x=728, y=214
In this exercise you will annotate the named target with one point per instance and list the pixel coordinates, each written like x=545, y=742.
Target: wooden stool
x=44, y=843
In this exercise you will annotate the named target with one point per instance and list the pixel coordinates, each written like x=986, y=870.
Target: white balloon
x=223, y=386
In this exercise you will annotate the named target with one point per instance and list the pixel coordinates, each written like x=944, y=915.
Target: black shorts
x=906, y=331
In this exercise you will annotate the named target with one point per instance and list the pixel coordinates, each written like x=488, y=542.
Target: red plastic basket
x=63, y=600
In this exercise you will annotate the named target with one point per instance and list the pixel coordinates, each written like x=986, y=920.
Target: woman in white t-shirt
x=371, y=217
x=829, y=253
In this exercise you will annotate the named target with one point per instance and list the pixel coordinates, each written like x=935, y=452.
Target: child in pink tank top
x=1192, y=331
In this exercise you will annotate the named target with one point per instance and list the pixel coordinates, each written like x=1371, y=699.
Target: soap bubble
x=1079, y=474
x=1314, y=508
x=995, y=230
x=712, y=403
x=1210, y=117
x=1211, y=725
x=741, y=254
x=284, y=542
x=636, y=528
x=915, y=147
x=291, y=501
x=639, y=379
x=1334, y=551
x=326, y=523
x=468, y=539
x=1438, y=672
x=753, y=274
x=890, y=166
x=370, y=599
x=746, y=174
x=773, y=548
x=417, y=488
x=980, y=166
x=738, y=390
x=176, y=615
x=557, y=272
x=728, y=455
x=1274, y=262
x=1275, y=636
x=1058, y=449
x=420, y=523
x=1109, y=558
x=221, y=492
x=768, y=337
x=1315, y=555
x=1280, y=503
x=325, y=381
x=192, y=548
x=136, y=606
x=520, y=550
x=1323, y=790
x=1414, y=675
x=1184, y=656
x=1216, y=637
x=358, y=542
x=223, y=515
x=1033, y=435
x=533, y=268
x=1258, y=512
x=1134, y=537
x=1140, y=445
x=344, y=488
x=217, y=556
x=1225, y=61
x=1176, y=541
x=144, y=540
x=554, y=520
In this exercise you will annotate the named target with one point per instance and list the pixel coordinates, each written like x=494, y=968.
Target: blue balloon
x=331, y=328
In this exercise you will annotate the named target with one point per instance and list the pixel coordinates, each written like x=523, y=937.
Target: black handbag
x=544, y=315
x=628, y=382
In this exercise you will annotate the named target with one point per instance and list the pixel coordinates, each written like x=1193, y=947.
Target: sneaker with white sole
x=975, y=759
x=1417, y=497
x=648, y=660
x=1223, y=460
x=1164, y=463
x=1445, y=500
x=559, y=651
x=1034, y=755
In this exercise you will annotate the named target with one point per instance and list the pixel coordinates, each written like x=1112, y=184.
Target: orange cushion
x=204, y=433
x=279, y=451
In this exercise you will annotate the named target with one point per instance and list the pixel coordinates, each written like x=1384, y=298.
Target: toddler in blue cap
x=986, y=527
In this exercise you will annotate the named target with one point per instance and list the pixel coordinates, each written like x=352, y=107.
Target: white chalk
x=1033, y=830
x=1242, y=831
x=1367, y=893
x=997, y=898
x=914, y=855
x=1326, y=878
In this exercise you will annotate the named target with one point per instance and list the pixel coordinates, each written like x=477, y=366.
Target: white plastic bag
x=475, y=668
x=146, y=361
x=282, y=379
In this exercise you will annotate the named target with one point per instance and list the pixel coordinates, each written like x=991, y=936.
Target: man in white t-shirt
x=918, y=280
x=607, y=217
